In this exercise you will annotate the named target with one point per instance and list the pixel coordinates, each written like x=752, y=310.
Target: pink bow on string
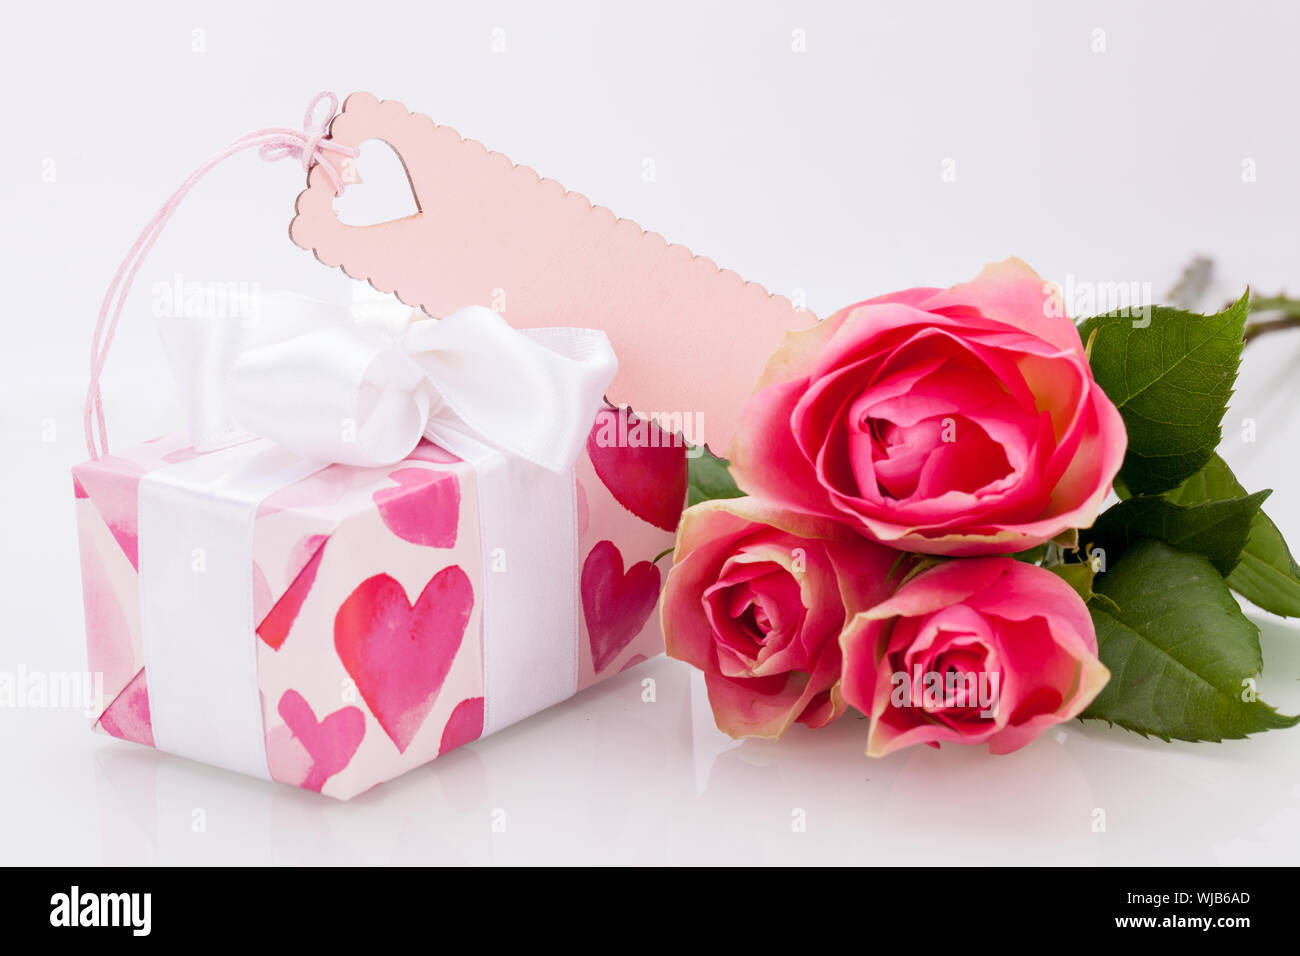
x=308, y=144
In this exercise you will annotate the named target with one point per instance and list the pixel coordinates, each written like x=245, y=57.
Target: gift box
x=332, y=625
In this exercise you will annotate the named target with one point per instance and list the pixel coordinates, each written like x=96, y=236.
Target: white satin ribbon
x=197, y=622
x=361, y=385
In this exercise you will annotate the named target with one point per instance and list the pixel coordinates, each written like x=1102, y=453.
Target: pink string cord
x=308, y=144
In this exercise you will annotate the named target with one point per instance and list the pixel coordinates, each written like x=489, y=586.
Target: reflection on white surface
x=607, y=778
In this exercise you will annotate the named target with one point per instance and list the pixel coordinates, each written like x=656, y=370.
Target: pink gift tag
x=691, y=338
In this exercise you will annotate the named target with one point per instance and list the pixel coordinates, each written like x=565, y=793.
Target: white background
x=817, y=171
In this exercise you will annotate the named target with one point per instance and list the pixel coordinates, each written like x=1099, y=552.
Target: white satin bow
x=361, y=385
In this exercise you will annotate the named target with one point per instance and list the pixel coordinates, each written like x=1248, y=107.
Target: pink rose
x=959, y=421
x=980, y=650
x=756, y=599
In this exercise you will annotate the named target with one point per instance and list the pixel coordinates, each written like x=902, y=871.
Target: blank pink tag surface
x=691, y=339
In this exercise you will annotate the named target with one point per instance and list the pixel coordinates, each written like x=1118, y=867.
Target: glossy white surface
x=817, y=171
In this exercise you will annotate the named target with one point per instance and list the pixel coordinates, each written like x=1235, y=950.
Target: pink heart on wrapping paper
x=399, y=654
x=424, y=509
x=330, y=743
x=464, y=726
x=615, y=605
x=286, y=758
x=306, y=550
x=128, y=716
x=263, y=599
x=643, y=466
x=632, y=661
x=274, y=628
x=113, y=486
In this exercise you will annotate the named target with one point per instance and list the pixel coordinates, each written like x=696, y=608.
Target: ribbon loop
x=361, y=386
x=516, y=390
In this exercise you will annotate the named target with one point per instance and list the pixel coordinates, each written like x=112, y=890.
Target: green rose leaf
x=1182, y=656
x=1031, y=555
x=708, y=478
x=1077, y=576
x=1267, y=574
x=1170, y=376
x=1215, y=529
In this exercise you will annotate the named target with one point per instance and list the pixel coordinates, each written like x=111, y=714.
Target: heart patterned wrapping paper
x=366, y=589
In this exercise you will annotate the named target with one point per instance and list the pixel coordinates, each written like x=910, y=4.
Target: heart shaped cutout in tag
x=378, y=187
